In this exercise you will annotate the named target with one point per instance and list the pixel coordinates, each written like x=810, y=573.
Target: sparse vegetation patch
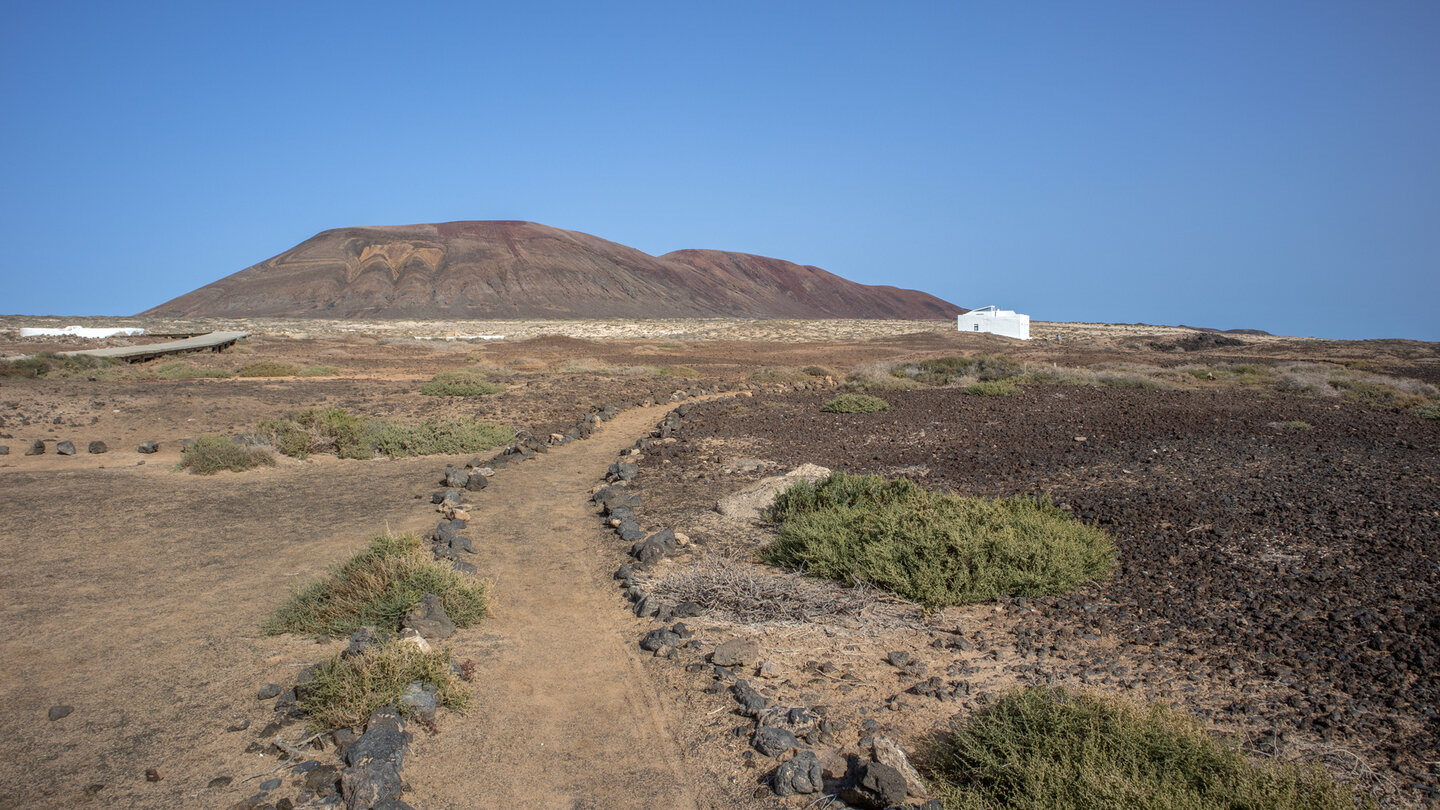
x=1044, y=747
x=934, y=548
x=855, y=403
x=267, y=368
x=180, y=370
x=336, y=430
x=208, y=455
x=345, y=691
x=376, y=587
x=991, y=388
x=463, y=382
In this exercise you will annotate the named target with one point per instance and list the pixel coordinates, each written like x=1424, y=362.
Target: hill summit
x=504, y=269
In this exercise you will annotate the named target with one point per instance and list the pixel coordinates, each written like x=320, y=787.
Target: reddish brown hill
x=526, y=270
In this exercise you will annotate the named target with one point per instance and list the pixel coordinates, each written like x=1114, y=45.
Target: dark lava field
x=1277, y=571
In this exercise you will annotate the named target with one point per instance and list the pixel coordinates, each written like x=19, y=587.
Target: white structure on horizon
x=996, y=321
x=80, y=331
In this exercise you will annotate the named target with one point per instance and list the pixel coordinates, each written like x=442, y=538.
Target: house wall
x=996, y=322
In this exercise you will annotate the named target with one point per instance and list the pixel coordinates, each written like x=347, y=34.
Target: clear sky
x=1268, y=164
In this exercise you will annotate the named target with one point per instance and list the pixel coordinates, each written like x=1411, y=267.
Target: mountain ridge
x=475, y=269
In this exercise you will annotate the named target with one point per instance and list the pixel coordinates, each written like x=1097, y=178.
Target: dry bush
x=879, y=377
x=579, y=365
x=732, y=590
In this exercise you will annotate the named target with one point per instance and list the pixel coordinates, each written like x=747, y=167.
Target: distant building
x=997, y=322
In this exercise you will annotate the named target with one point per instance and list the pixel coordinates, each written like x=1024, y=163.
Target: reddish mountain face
x=475, y=270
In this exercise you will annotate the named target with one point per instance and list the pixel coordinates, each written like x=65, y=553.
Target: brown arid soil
x=1280, y=583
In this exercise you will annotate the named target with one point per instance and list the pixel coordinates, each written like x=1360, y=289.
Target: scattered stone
x=152, y=775
x=796, y=720
x=772, y=742
x=268, y=691
x=148, y=447
x=685, y=610
x=409, y=636
x=654, y=547
x=365, y=787
x=323, y=781
x=37, y=448
x=4, y=449
x=464, y=567
x=736, y=652
x=359, y=640
x=383, y=741
x=752, y=703
x=656, y=639
x=269, y=785
x=873, y=786
x=477, y=481
x=447, y=530
x=624, y=572
x=219, y=782
x=899, y=658
x=240, y=724
x=886, y=752
x=429, y=618
x=462, y=544
x=802, y=775
x=421, y=701
x=96, y=448
x=832, y=764
x=455, y=478
x=65, y=448
x=57, y=712
x=629, y=530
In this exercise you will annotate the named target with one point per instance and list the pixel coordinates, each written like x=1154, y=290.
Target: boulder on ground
x=799, y=776
x=772, y=742
x=751, y=502
x=96, y=448
x=65, y=448
x=886, y=752
x=736, y=652
x=148, y=447
x=654, y=547
x=429, y=618
x=455, y=477
x=37, y=448
x=873, y=785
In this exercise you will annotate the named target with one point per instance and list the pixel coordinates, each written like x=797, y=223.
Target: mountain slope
x=507, y=269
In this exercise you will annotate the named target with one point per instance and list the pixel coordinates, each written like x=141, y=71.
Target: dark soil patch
x=1274, y=579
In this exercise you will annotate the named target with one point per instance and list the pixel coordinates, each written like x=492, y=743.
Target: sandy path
x=564, y=716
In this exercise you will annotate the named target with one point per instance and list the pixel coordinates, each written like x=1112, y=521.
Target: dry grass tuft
x=736, y=591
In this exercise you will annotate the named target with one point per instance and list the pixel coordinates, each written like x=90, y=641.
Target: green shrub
x=855, y=403
x=211, y=454
x=950, y=370
x=377, y=587
x=181, y=370
x=336, y=430
x=1429, y=410
x=439, y=437
x=267, y=368
x=460, y=383
x=1043, y=747
x=61, y=366
x=1296, y=424
x=778, y=374
x=934, y=548
x=318, y=371
x=992, y=388
x=818, y=371
x=345, y=691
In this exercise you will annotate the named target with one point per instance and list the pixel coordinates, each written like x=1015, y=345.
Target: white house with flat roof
x=996, y=321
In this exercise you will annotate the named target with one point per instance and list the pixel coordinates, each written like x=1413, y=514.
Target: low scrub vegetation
x=268, y=368
x=376, y=587
x=1427, y=411
x=208, y=455
x=855, y=403
x=336, y=430
x=318, y=371
x=347, y=690
x=933, y=548
x=180, y=370
x=779, y=374
x=1044, y=747
x=463, y=382
x=58, y=366
x=992, y=388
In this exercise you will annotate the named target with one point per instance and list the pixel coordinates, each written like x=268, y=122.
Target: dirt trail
x=564, y=715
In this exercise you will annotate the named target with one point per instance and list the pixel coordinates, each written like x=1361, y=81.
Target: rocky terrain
x=502, y=269
x=1276, y=576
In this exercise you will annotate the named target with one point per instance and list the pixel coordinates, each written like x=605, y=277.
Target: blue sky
x=1260, y=164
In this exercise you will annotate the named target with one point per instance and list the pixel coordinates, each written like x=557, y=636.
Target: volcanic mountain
x=476, y=270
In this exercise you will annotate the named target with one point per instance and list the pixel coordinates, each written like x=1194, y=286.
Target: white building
x=996, y=321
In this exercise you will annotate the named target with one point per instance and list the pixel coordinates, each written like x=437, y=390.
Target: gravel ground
x=1277, y=579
